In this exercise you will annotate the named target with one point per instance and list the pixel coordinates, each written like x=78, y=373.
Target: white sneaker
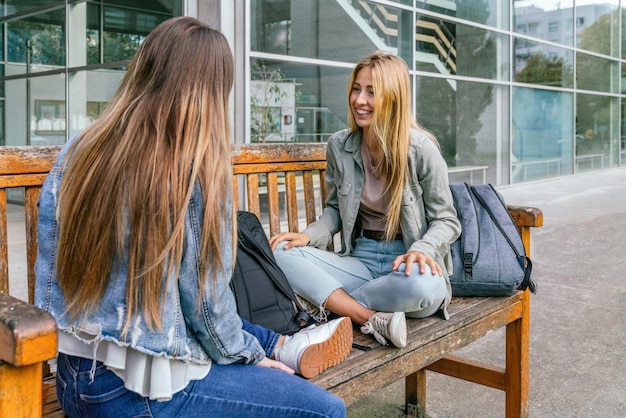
x=387, y=326
x=318, y=347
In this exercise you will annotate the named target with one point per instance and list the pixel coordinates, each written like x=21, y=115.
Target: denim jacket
x=190, y=332
x=428, y=219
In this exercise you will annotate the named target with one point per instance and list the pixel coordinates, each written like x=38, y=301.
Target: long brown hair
x=391, y=124
x=130, y=175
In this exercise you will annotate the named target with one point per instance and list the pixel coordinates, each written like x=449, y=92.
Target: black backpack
x=262, y=292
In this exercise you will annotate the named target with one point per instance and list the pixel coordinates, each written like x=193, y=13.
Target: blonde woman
x=136, y=252
x=388, y=194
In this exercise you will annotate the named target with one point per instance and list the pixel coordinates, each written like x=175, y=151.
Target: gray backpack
x=488, y=258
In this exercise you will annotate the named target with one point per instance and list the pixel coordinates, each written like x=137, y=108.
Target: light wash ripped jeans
x=366, y=275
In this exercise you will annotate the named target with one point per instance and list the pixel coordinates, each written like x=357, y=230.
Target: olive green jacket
x=428, y=219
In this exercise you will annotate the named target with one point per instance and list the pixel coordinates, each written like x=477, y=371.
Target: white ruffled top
x=157, y=378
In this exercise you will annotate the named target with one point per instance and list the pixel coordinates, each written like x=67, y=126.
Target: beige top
x=374, y=202
x=157, y=378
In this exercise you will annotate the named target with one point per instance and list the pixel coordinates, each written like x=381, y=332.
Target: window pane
x=490, y=12
x=537, y=63
x=450, y=48
x=472, y=135
x=297, y=102
x=549, y=20
x=594, y=73
x=38, y=120
x=45, y=34
x=623, y=135
x=623, y=30
x=597, y=132
x=330, y=30
x=16, y=6
x=100, y=33
x=125, y=29
x=597, y=27
x=48, y=121
x=167, y=7
x=90, y=92
x=541, y=134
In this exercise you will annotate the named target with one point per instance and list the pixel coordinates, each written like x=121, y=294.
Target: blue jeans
x=366, y=275
x=234, y=390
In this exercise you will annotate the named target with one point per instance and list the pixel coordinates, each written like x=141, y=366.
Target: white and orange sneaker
x=316, y=348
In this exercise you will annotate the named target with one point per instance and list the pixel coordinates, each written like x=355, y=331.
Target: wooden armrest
x=526, y=216
x=28, y=335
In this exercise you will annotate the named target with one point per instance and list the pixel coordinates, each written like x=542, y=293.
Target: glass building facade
x=514, y=91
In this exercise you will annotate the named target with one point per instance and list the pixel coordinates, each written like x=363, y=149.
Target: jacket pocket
x=343, y=188
x=413, y=207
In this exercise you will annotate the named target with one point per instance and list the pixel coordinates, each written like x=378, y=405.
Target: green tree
x=540, y=69
x=266, y=101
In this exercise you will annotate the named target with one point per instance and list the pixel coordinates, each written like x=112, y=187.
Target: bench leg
x=415, y=394
x=517, y=376
x=21, y=387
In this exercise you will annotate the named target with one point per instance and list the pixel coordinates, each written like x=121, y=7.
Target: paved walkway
x=578, y=316
x=578, y=319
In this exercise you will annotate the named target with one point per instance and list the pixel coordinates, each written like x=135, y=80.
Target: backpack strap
x=466, y=212
x=492, y=201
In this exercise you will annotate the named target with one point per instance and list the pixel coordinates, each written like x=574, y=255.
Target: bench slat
x=27, y=160
x=4, y=247
x=291, y=197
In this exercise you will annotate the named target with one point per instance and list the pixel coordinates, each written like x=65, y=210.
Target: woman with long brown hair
x=136, y=251
x=388, y=194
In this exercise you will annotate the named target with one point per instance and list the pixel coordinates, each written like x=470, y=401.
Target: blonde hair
x=391, y=124
x=130, y=175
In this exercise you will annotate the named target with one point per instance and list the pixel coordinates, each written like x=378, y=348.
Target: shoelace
x=370, y=328
x=319, y=314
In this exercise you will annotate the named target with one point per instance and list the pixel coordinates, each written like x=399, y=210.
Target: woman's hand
x=273, y=364
x=294, y=239
x=416, y=257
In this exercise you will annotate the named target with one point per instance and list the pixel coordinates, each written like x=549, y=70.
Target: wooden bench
x=295, y=171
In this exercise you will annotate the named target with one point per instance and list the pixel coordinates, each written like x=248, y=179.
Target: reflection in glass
x=597, y=132
x=16, y=119
x=468, y=121
x=597, y=74
x=622, y=152
x=87, y=102
x=450, y=48
x=328, y=29
x=16, y=6
x=125, y=29
x=541, y=134
x=38, y=120
x=47, y=110
x=538, y=63
x=38, y=39
x=549, y=20
x=297, y=102
x=594, y=27
x=490, y=12
x=597, y=27
x=2, y=120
